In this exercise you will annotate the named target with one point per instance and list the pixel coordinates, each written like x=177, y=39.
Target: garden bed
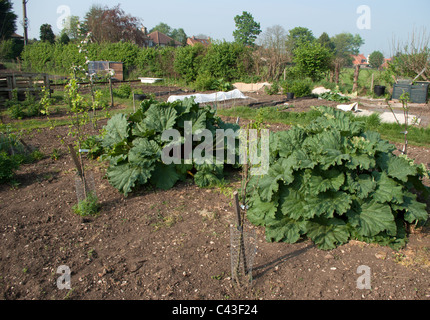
x=174, y=244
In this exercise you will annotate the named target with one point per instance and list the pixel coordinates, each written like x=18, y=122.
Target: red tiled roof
x=161, y=39
x=192, y=41
x=359, y=59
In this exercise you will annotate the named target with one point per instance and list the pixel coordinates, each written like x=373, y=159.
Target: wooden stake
x=111, y=92
x=76, y=160
x=239, y=225
x=237, y=210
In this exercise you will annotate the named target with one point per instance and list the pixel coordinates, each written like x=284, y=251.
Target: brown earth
x=174, y=245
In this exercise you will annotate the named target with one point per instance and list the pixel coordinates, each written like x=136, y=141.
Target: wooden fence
x=22, y=82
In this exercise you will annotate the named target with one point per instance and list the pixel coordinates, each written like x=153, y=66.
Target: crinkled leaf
x=116, y=131
x=372, y=218
x=327, y=204
x=333, y=157
x=327, y=234
x=361, y=185
x=289, y=141
x=415, y=212
x=208, y=175
x=303, y=161
x=284, y=229
x=388, y=190
x=160, y=118
x=321, y=181
x=164, y=176
x=279, y=171
x=143, y=148
x=361, y=161
x=125, y=176
x=293, y=204
x=260, y=210
x=400, y=168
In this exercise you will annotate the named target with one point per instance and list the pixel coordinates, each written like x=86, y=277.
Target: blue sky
x=389, y=19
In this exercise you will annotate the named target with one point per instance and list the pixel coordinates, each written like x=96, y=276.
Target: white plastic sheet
x=348, y=107
x=211, y=97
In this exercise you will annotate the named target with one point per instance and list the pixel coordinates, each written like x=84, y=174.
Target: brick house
x=159, y=39
x=360, y=60
x=193, y=41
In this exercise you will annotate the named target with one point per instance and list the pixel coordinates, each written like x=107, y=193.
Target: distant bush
x=123, y=91
x=226, y=60
x=12, y=155
x=22, y=109
x=300, y=88
x=188, y=60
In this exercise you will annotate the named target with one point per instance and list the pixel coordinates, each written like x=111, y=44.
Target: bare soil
x=175, y=245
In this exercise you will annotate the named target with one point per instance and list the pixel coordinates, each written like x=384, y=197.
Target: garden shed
x=100, y=68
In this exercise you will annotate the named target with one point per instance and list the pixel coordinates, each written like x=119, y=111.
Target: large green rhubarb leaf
x=362, y=185
x=388, y=190
x=284, y=229
x=116, y=131
x=160, y=118
x=372, y=218
x=279, y=171
x=144, y=148
x=125, y=176
x=260, y=210
x=327, y=234
x=415, y=212
x=321, y=181
x=164, y=176
x=328, y=204
x=400, y=168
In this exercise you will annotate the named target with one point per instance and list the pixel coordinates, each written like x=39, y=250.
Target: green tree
x=8, y=20
x=179, y=35
x=73, y=28
x=345, y=45
x=312, y=60
x=46, y=33
x=325, y=41
x=64, y=38
x=376, y=59
x=298, y=36
x=163, y=28
x=247, y=29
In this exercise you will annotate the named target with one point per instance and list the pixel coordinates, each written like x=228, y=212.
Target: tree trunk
x=356, y=74
x=336, y=72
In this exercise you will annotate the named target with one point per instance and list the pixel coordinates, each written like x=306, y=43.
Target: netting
x=243, y=248
x=85, y=189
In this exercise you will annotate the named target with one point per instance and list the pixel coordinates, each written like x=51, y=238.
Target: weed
x=87, y=207
x=55, y=155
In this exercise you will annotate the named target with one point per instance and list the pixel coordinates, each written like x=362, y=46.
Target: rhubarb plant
x=331, y=181
x=134, y=144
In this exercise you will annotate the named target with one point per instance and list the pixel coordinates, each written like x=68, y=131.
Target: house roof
x=192, y=41
x=359, y=59
x=161, y=39
x=17, y=36
x=386, y=62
